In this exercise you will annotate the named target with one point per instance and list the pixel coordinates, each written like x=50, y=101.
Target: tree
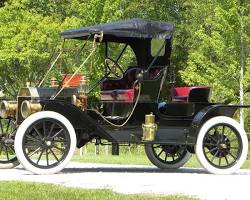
x=28, y=41
x=2, y=2
x=242, y=10
x=206, y=46
x=215, y=55
x=26, y=47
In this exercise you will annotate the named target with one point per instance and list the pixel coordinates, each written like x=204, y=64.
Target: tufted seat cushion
x=122, y=90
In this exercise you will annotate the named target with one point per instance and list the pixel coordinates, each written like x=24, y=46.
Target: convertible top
x=124, y=30
x=138, y=33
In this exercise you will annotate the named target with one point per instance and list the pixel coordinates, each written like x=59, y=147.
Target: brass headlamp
x=80, y=100
x=8, y=109
x=84, y=85
x=28, y=108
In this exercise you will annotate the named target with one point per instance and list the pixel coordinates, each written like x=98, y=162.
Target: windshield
x=96, y=61
x=127, y=58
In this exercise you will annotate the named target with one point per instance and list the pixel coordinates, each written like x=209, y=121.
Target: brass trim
x=28, y=108
x=149, y=128
x=8, y=109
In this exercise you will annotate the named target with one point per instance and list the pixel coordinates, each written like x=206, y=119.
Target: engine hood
x=45, y=92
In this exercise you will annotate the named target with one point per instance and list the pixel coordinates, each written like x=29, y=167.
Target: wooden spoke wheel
x=222, y=145
x=8, y=157
x=167, y=156
x=45, y=142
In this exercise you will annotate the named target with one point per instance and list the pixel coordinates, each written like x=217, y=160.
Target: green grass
x=22, y=191
x=133, y=160
x=121, y=159
x=135, y=157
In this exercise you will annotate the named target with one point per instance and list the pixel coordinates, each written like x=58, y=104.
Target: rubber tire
x=153, y=159
x=9, y=165
x=19, y=139
x=199, y=149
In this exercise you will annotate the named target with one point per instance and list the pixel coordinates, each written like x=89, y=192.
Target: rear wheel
x=8, y=157
x=222, y=145
x=167, y=156
x=45, y=142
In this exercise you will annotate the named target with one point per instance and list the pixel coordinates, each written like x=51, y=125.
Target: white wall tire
x=222, y=145
x=167, y=156
x=8, y=157
x=34, y=139
x=9, y=165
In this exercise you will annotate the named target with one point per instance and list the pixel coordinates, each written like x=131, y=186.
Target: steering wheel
x=112, y=66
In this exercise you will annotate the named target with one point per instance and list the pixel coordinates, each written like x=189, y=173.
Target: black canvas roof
x=138, y=33
x=124, y=30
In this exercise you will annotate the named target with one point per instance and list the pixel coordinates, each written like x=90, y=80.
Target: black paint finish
x=178, y=125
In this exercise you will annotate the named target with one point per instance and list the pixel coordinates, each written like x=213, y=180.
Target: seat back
x=122, y=90
x=191, y=94
x=126, y=82
x=154, y=72
x=180, y=93
x=200, y=94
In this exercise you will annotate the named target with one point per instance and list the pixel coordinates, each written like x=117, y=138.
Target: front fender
x=79, y=119
x=205, y=114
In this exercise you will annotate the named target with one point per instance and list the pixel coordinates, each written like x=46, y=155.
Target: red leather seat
x=191, y=94
x=122, y=90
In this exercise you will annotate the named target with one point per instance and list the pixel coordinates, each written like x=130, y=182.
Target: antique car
x=44, y=125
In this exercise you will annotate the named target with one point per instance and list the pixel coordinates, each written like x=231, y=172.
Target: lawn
x=134, y=157
x=22, y=191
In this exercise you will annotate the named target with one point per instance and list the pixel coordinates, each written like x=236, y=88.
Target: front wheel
x=8, y=157
x=45, y=142
x=167, y=156
x=222, y=145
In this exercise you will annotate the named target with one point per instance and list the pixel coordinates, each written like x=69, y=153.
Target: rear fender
x=206, y=114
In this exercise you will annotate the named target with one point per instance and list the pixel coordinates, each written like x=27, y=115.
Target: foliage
x=206, y=46
x=28, y=41
x=21, y=46
x=215, y=55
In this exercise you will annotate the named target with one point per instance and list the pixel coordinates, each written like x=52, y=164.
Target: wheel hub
x=48, y=143
x=218, y=147
x=222, y=146
x=171, y=149
x=6, y=140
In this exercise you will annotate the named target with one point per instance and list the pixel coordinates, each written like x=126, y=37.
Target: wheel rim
x=7, y=134
x=169, y=154
x=222, y=146
x=46, y=143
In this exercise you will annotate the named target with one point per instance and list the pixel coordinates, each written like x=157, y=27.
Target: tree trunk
x=242, y=65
